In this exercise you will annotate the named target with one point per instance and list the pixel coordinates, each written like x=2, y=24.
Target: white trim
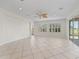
x=13, y=41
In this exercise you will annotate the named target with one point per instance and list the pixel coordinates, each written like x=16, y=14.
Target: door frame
x=73, y=19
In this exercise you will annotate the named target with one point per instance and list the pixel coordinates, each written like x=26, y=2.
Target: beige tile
x=16, y=56
x=35, y=51
x=5, y=57
x=3, y=48
x=51, y=57
x=70, y=55
x=28, y=57
x=38, y=56
x=60, y=56
x=27, y=53
x=40, y=48
x=46, y=53
x=6, y=52
x=56, y=51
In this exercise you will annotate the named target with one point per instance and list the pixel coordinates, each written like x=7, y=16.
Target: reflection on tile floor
x=75, y=41
x=40, y=48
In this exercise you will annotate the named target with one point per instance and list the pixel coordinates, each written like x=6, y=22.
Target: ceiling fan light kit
x=43, y=14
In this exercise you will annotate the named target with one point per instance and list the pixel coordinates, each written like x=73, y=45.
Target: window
x=50, y=27
x=74, y=29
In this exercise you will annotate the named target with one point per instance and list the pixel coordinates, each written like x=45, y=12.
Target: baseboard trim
x=14, y=41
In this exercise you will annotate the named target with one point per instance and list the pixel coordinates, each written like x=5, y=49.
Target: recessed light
x=21, y=0
x=20, y=8
x=60, y=8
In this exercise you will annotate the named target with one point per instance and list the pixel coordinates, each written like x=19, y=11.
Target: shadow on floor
x=75, y=41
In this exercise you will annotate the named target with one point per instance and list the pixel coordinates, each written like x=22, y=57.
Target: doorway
x=74, y=28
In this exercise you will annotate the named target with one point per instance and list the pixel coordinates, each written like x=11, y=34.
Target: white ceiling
x=31, y=7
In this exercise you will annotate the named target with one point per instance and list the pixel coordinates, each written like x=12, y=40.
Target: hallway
x=40, y=48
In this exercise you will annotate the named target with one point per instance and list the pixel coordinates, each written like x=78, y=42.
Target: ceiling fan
x=42, y=14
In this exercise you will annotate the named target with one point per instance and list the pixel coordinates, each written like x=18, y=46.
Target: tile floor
x=75, y=41
x=40, y=48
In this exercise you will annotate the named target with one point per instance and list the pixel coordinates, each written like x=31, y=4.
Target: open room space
x=39, y=29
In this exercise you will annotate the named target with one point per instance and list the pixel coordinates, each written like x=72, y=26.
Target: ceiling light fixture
x=42, y=14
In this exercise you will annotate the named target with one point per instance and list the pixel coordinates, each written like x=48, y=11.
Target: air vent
x=21, y=0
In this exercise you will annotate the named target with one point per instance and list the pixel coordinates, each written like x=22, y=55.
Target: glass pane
x=71, y=24
x=71, y=27
x=75, y=27
x=76, y=31
x=53, y=27
x=75, y=24
x=71, y=37
x=44, y=28
x=75, y=37
x=50, y=28
x=59, y=29
x=71, y=31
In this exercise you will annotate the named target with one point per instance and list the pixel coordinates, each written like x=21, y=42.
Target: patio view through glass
x=74, y=29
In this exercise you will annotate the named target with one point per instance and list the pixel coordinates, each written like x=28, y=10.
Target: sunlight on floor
x=40, y=48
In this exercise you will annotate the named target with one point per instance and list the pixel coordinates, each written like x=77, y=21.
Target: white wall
x=61, y=34
x=12, y=28
x=72, y=15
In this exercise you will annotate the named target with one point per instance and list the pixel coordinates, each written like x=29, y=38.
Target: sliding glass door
x=74, y=29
